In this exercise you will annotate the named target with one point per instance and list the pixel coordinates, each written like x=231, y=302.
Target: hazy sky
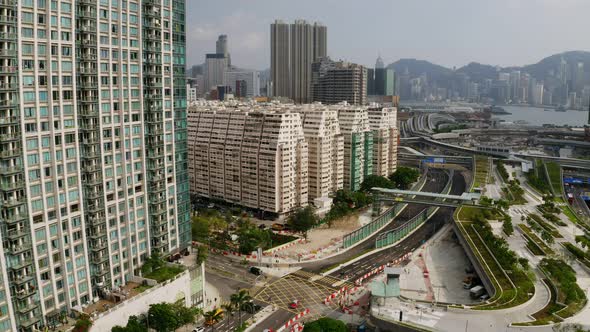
x=446, y=32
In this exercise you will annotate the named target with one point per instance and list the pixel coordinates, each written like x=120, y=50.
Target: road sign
x=434, y=160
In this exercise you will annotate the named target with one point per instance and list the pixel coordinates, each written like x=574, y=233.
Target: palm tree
x=213, y=317
x=239, y=299
x=228, y=307
x=198, y=313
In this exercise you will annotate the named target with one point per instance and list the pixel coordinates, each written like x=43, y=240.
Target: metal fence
x=395, y=235
x=381, y=220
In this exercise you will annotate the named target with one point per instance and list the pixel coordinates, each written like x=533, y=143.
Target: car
x=199, y=329
x=254, y=270
x=277, y=227
x=251, y=307
x=262, y=226
x=294, y=304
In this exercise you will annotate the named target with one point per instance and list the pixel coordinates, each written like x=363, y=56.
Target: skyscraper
x=279, y=58
x=294, y=48
x=93, y=173
x=221, y=48
x=215, y=68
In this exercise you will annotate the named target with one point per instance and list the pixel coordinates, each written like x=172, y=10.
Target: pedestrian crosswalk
x=327, y=281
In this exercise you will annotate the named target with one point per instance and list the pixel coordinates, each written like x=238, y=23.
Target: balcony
x=11, y=186
x=90, y=154
x=99, y=260
x=11, y=153
x=19, y=266
x=9, y=137
x=23, y=294
x=8, y=3
x=8, y=36
x=87, y=13
x=8, y=120
x=19, y=249
x=12, y=203
x=4, y=19
x=16, y=234
x=87, y=71
x=88, y=85
x=10, y=170
x=15, y=219
x=91, y=168
x=98, y=235
x=157, y=211
x=159, y=232
x=27, y=307
x=88, y=99
x=7, y=53
x=28, y=322
x=98, y=246
x=95, y=208
x=87, y=56
x=8, y=69
x=4, y=104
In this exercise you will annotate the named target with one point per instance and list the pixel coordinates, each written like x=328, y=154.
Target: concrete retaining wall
x=170, y=291
x=487, y=283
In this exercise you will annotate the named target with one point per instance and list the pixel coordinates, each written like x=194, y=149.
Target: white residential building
x=254, y=158
x=325, y=151
x=383, y=124
x=358, y=144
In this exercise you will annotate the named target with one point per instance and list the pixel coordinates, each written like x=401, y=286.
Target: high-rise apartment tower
x=93, y=172
x=294, y=47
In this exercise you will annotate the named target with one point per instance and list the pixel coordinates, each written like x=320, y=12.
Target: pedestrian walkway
x=212, y=297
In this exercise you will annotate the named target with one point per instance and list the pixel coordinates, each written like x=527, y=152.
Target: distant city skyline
x=450, y=33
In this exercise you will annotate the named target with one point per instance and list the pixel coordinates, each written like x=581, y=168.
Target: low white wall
x=170, y=292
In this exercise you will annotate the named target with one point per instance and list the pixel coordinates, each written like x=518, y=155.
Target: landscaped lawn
x=164, y=273
x=535, y=239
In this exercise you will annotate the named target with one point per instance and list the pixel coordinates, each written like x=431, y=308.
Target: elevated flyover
x=381, y=195
x=434, y=161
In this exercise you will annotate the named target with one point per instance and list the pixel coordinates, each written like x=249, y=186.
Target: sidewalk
x=212, y=298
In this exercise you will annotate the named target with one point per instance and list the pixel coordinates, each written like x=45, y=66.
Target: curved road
x=436, y=181
x=411, y=243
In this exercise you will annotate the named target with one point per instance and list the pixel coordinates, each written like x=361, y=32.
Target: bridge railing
x=395, y=235
x=381, y=220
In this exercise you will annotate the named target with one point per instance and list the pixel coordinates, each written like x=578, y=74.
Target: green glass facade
x=180, y=128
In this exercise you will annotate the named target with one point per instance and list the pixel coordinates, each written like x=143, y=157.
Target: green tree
x=200, y=229
x=83, y=324
x=547, y=237
x=201, y=254
x=152, y=263
x=133, y=325
x=404, y=176
x=162, y=317
x=303, y=219
x=507, y=227
x=523, y=262
x=239, y=299
x=375, y=181
x=325, y=324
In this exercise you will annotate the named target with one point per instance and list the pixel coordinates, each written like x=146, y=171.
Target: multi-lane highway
x=239, y=277
x=436, y=181
x=411, y=243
